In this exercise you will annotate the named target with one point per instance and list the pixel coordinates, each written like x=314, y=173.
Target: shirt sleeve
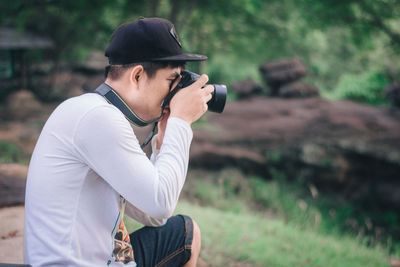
x=142, y=217
x=107, y=144
x=154, y=149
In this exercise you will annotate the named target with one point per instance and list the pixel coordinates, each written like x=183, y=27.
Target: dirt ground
x=12, y=234
x=12, y=221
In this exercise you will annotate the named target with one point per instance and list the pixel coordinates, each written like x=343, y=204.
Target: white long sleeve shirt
x=86, y=157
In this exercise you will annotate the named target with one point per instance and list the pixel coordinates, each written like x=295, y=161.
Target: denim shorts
x=167, y=245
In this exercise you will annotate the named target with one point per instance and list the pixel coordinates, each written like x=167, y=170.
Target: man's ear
x=136, y=74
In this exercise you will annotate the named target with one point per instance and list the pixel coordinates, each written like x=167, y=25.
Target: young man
x=88, y=168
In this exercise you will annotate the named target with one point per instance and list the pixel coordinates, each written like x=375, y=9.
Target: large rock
x=12, y=184
x=14, y=170
x=298, y=89
x=339, y=146
x=278, y=73
x=21, y=105
x=12, y=191
x=246, y=88
x=392, y=92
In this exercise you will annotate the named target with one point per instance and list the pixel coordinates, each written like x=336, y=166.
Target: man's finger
x=209, y=89
x=202, y=80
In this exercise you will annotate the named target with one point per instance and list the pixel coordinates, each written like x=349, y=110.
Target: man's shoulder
x=88, y=103
x=86, y=107
x=88, y=100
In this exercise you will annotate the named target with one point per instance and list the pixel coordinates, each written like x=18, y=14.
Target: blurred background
x=303, y=166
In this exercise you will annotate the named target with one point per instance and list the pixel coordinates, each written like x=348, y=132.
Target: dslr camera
x=218, y=100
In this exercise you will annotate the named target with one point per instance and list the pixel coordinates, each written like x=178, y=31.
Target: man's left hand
x=162, y=125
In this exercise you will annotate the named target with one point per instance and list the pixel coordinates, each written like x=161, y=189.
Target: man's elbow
x=163, y=213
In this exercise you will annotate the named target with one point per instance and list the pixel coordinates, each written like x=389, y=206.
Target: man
x=88, y=168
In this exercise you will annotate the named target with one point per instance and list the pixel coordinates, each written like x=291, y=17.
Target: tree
x=364, y=17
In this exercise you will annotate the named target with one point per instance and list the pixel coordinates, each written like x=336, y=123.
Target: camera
x=218, y=100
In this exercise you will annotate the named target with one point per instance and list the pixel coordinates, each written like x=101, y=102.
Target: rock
x=298, y=89
x=339, y=146
x=278, y=73
x=21, y=105
x=12, y=191
x=214, y=156
x=392, y=92
x=14, y=170
x=394, y=263
x=246, y=88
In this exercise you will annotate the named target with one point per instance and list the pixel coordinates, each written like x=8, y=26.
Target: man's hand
x=190, y=103
x=162, y=125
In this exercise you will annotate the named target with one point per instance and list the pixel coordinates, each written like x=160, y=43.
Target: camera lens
x=218, y=100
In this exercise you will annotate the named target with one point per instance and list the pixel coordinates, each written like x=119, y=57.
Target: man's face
x=157, y=87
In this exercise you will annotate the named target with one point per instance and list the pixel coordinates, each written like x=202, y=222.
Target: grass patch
x=271, y=242
x=247, y=221
x=10, y=152
x=230, y=190
x=234, y=239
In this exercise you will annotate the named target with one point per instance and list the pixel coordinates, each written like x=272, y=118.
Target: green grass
x=270, y=242
x=247, y=221
x=10, y=152
x=229, y=238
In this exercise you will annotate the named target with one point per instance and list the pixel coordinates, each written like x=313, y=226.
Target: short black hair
x=114, y=72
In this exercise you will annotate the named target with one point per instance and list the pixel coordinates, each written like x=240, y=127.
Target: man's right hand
x=190, y=103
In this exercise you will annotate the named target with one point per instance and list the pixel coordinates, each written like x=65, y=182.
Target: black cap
x=147, y=39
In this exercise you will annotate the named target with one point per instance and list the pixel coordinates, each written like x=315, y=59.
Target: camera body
x=218, y=100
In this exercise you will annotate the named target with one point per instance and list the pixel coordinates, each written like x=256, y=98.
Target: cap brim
x=183, y=57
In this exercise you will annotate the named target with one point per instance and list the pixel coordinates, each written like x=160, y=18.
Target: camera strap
x=113, y=98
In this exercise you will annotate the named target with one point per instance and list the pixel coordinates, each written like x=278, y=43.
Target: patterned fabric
x=123, y=251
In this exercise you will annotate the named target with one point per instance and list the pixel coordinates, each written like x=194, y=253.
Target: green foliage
x=335, y=39
x=366, y=87
x=9, y=152
x=74, y=26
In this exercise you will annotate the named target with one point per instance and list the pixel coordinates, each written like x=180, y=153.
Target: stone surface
x=392, y=92
x=340, y=146
x=12, y=191
x=246, y=88
x=298, y=89
x=14, y=170
x=12, y=184
x=21, y=105
x=278, y=73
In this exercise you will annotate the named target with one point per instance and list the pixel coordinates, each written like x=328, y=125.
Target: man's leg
x=196, y=246
x=174, y=244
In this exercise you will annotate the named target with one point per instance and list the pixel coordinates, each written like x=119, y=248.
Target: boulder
x=12, y=191
x=21, y=105
x=392, y=92
x=246, y=88
x=298, y=89
x=340, y=146
x=278, y=73
x=12, y=184
x=14, y=170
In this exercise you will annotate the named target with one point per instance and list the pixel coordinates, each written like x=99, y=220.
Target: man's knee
x=196, y=235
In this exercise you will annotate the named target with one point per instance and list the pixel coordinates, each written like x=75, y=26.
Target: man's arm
x=142, y=217
x=107, y=144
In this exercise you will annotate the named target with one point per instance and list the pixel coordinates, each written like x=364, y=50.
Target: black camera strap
x=113, y=98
